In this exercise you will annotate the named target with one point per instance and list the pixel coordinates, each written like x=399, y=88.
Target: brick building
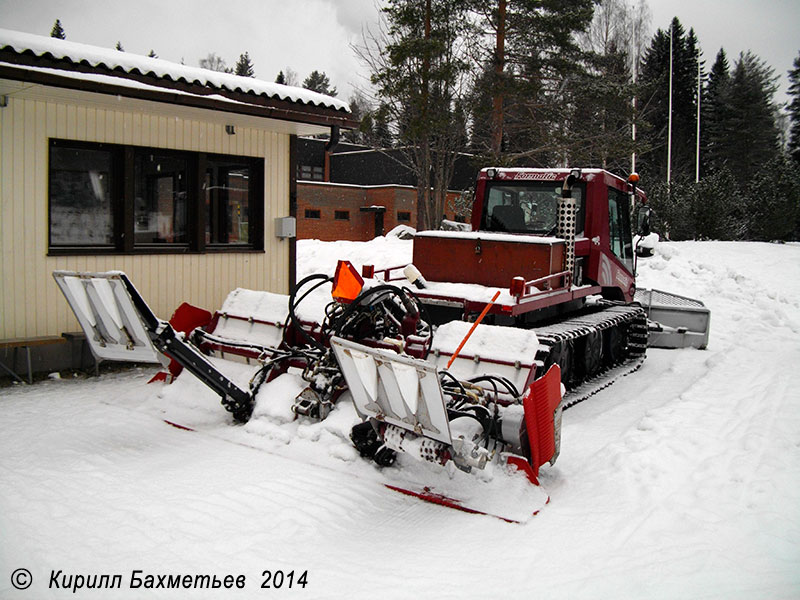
x=350, y=192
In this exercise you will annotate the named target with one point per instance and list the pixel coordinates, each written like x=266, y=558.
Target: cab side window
x=619, y=227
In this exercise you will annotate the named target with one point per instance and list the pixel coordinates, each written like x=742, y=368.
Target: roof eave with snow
x=58, y=63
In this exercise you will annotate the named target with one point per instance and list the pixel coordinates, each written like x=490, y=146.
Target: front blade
x=107, y=315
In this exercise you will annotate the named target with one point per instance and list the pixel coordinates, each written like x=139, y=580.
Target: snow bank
x=322, y=257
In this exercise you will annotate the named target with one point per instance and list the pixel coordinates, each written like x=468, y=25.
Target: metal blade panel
x=407, y=393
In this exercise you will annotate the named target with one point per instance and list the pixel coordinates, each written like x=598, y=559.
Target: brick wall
x=319, y=205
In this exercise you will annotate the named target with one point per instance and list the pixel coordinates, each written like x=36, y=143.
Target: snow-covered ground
x=679, y=481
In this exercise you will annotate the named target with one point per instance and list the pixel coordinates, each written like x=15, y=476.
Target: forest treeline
x=578, y=83
x=583, y=83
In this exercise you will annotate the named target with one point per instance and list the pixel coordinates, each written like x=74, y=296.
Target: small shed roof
x=61, y=63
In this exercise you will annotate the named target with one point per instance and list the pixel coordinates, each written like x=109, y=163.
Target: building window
x=82, y=191
x=403, y=216
x=127, y=199
x=309, y=173
x=160, y=198
x=341, y=215
x=313, y=213
x=227, y=197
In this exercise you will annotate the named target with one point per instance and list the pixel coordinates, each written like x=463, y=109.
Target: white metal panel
x=107, y=316
x=385, y=385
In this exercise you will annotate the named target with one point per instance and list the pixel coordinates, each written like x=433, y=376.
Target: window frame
x=310, y=173
x=255, y=191
x=123, y=210
x=553, y=188
x=142, y=152
x=115, y=190
x=619, y=232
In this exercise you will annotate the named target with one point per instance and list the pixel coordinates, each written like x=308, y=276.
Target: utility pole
x=697, y=153
x=634, y=70
x=669, y=123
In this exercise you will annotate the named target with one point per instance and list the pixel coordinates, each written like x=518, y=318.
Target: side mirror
x=643, y=221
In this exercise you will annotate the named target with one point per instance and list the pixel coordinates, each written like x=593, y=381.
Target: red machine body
x=603, y=240
x=518, y=232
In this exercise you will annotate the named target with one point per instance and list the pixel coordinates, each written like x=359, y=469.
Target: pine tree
x=119, y=46
x=281, y=78
x=655, y=77
x=318, y=81
x=152, y=53
x=794, y=111
x=244, y=66
x=751, y=136
x=688, y=84
x=713, y=115
x=546, y=61
x=717, y=214
x=530, y=57
x=58, y=31
x=599, y=132
x=380, y=133
x=773, y=193
x=749, y=191
x=417, y=76
x=486, y=136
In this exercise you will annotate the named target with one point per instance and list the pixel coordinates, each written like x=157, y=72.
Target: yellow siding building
x=172, y=174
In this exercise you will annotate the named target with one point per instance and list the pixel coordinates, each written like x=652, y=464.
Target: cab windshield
x=529, y=207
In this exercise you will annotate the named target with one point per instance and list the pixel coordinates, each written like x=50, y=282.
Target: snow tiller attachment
x=411, y=407
x=120, y=326
x=496, y=417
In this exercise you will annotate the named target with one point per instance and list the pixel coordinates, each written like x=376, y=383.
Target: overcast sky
x=318, y=34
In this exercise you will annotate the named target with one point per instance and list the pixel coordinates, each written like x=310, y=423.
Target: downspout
x=293, y=210
x=329, y=146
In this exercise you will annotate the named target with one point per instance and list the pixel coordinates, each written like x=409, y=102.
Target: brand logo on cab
x=547, y=176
